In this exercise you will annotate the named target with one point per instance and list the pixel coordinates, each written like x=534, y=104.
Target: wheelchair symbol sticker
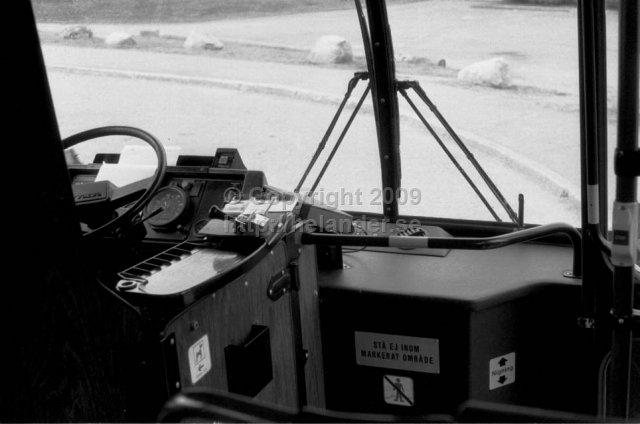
x=398, y=390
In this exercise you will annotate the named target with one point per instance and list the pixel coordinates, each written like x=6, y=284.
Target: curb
x=551, y=180
x=357, y=50
x=263, y=88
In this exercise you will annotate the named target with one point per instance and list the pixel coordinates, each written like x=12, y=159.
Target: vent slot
x=141, y=271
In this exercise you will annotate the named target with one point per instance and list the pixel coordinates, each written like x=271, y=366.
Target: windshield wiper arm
x=415, y=86
x=339, y=141
x=449, y=154
x=353, y=82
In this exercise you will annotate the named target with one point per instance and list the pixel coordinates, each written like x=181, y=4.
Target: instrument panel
x=167, y=207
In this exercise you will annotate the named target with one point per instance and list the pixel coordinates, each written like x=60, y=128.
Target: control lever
x=219, y=225
x=216, y=213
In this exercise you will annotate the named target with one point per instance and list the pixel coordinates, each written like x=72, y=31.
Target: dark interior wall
x=50, y=310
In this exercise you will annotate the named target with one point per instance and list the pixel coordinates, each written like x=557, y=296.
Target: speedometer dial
x=167, y=206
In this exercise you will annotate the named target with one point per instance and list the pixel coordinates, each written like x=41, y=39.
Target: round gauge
x=167, y=206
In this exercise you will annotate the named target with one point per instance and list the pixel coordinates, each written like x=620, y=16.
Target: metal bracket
x=405, y=85
x=293, y=244
x=357, y=76
x=286, y=280
x=279, y=285
x=625, y=228
x=171, y=365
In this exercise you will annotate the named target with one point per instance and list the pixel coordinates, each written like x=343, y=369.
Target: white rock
x=150, y=33
x=331, y=49
x=198, y=40
x=409, y=58
x=76, y=32
x=120, y=39
x=402, y=57
x=493, y=72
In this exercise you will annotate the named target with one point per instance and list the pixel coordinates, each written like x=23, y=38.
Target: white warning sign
x=502, y=371
x=398, y=390
x=416, y=354
x=199, y=359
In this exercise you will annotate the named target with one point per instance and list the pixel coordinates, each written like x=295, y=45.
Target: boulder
x=76, y=32
x=198, y=40
x=331, y=49
x=150, y=33
x=409, y=58
x=120, y=39
x=492, y=72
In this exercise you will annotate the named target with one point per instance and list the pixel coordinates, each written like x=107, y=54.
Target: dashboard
x=445, y=323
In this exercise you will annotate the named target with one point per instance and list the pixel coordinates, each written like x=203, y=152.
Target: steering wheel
x=106, y=196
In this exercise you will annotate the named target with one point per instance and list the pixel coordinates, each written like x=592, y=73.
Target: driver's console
x=207, y=307
x=181, y=206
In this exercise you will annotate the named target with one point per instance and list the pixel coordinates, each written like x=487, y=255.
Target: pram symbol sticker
x=398, y=390
x=199, y=359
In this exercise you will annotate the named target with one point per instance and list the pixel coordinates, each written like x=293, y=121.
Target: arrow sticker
x=502, y=371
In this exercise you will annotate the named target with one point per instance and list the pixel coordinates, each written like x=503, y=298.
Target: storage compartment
x=418, y=343
x=249, y=365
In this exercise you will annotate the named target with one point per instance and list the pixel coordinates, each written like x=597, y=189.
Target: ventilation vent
x=140, y=272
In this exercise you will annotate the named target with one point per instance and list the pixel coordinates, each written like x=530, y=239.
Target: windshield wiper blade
x=402, y=86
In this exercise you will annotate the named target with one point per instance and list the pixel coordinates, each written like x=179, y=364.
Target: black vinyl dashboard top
x=477, y=279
